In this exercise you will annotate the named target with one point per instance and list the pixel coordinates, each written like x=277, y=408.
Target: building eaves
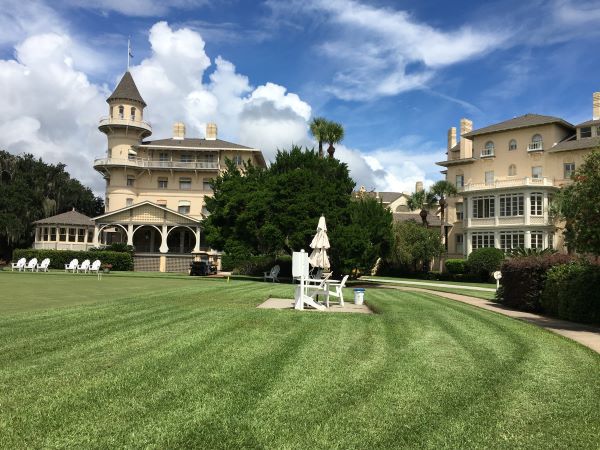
x=195, y=144
x=576, y=144
x=67, y=218
x=456, y=162
x=525, y=121
x=589, y=123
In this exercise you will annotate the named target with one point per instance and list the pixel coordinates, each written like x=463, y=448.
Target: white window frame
x=511, y=205
x=482, y=239
x=460, y=184
x=459, y=243
x=512, y=147
x=512, y=170
x=187, y=181
x=537, y=204
x=488, y=150
x=537, y=239
x=538, y=176
x=510, y=240
x=489, y=177
x=485, y=209
x=460, y=211
x=569, y=170
x=163, y=183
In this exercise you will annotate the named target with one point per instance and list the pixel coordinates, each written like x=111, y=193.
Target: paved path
x=425, y=283
x=584, y=334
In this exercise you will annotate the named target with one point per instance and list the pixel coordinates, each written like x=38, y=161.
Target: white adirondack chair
x=72, y=266
x=308, y=296
x=19, y=265
x=84, y=266
x=337, y=291
x=31, y=265
x=273, y=274
x=95, y=267
x=44, y=265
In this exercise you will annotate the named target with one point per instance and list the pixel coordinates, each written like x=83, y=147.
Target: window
x=569, y=170
x=80, y=234
x=512, y=145
x=460, y=211
x=550, y=240
x=460, y=181
x=536, y=143
x=511, y=205
x=72, y=234
x=183, y=209
x=585, y=132
x=121, y=112
x=163, y=183
x=459, y=238
x=185, y=184
x=482, y=239
x=53, y=234
x=511, y=239
x=163, y=159
x=512, y=170
x=129, y=202
x=162, y=203
x=536, y=172
x=483, y=207
x=186, y=158
x=130, y=181
x=206, y=186
x=537, y=239
x=45, y=234
x=489, y=177
x=132, y=113
x=62, y=235
x=488, y=150
x=237, y=159
x=537, y=204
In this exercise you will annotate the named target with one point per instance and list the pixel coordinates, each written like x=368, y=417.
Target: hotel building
x=506, y=175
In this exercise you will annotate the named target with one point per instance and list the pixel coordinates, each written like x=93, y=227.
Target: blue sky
x=396, y=74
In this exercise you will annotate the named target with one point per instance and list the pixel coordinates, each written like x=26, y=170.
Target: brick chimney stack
x=596, y=106
x=451, y=138
x=466, y=145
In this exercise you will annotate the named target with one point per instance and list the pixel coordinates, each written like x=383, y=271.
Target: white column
x=496, y=239
x=130, y=234
x=164, y=248
x=527, y=212
x=545, y=208
x=545, y=239
x=468, y=244
x=96, y=233
x=197, y=246
x=496, y=213
x=527, y=238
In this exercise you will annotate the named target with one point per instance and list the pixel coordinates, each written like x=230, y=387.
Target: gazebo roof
x=67, y=218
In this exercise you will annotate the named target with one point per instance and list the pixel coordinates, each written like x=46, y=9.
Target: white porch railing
x=507, y=183
x=127, y=121
x=156, y=164
x=535, y=146
x=486, y=153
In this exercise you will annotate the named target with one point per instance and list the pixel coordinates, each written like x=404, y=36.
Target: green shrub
x=456, y=266
x=256, y=265
x=571, y=292
x=58, y=258
x=116, y=247
x=523, y=280
x=484, y=261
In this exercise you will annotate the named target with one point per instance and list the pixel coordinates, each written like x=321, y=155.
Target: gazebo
x=67, y=231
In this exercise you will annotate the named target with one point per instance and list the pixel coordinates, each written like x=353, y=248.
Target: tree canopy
x=414, y=246
x=31, y=190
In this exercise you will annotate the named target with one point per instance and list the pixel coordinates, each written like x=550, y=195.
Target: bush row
x=58, y=258
x=256, y=265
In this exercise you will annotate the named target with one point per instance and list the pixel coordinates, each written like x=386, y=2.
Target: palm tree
x=334, y=133
x=442, y=190
x=317, y=128
x=424, y=201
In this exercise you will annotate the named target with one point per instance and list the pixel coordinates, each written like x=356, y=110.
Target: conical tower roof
x=126, y=90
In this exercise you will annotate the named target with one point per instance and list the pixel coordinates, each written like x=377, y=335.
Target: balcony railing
x=508, y=183
x=156, y=164
x=487, y=153
x=105, y=121
x=535, y=146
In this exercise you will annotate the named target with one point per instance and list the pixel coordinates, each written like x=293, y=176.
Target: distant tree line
x=31, y=190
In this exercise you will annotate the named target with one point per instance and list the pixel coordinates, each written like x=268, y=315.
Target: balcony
x=487, y=153
x=107, y=122
x=155, y=164
x=536, y=146
x=508, y=183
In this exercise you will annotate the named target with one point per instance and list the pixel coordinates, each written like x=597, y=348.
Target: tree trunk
x=423, y=215
x=320, y=148
x=331, y=150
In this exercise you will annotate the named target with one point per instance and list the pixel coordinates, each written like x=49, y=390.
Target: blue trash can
x=359, y=296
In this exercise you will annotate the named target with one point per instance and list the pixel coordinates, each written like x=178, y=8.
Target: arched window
x=489, y=149
x=536, y=138
x=121, y=112
x=132, y=113
x=512, y=170
x=536, y=143
x=512, y=145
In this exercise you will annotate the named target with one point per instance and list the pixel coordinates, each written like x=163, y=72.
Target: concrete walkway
x=584, y=334
x=426, y=283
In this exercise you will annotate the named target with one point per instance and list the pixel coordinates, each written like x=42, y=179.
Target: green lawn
x=179, y=362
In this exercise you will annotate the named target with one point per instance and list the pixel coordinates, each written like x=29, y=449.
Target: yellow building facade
x=156, y=189
x=506, y=175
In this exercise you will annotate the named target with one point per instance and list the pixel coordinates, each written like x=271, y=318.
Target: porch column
x=164, y=248
x=96, y=234
x=197, y=245
x=527, y=238
x=130, y=234
x=181, y=240
x=469, y=243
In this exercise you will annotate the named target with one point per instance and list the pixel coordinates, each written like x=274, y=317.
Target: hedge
x=483, y=261
x=456, y=266
x=58, y=258
x=571, y=292
x=523, y=280
x=256, y=265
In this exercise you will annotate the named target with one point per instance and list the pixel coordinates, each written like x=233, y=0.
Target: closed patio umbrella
x=320, y=244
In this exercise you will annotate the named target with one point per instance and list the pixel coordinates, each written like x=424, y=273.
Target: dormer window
x=121, y=112
x=585, y=132
x=132, y=113
x=512, y=145
x=488, y=150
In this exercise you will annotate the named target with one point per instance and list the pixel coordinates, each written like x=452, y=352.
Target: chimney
x=466, y=145
x=211, y=131
x=451, y=139
x=178, y=130
x=419, y=186
x=596, y=107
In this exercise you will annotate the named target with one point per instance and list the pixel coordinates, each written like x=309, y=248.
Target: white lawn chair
x=84, y=267
x=31, y=265
x=337, y=291
x=72, y=266
x=19, y=265
x=272, y=275
x=309, y=296
x=44, y=265
x=95, y=267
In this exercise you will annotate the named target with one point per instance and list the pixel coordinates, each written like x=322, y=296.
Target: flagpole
x=128, y=52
